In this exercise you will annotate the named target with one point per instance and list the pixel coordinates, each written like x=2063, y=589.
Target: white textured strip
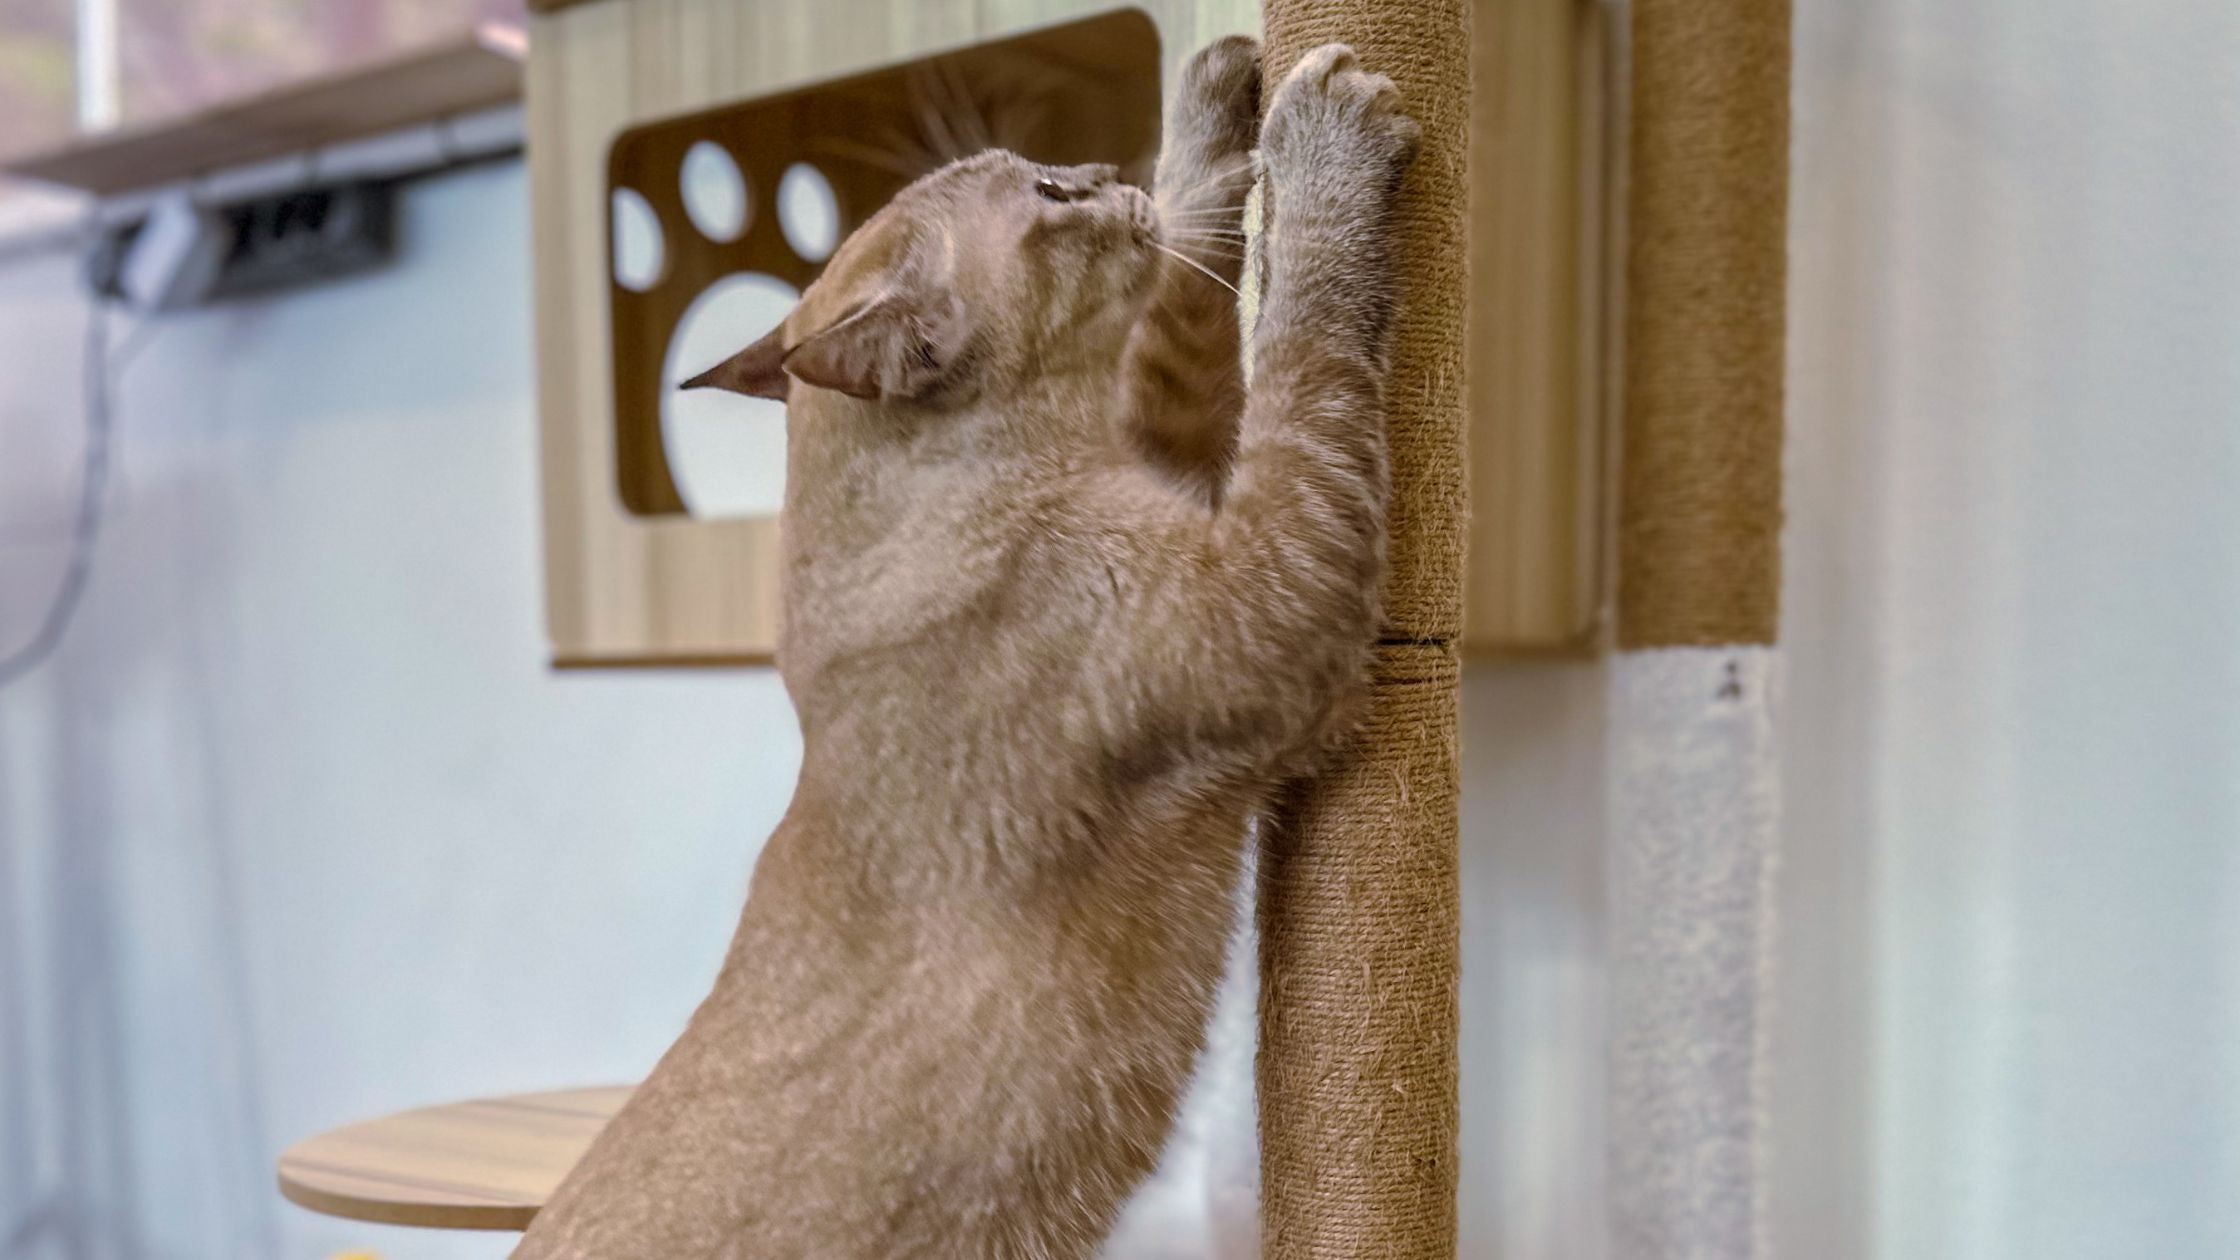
x=1694, y=833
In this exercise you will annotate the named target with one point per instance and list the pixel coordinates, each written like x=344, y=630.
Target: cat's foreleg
x=1301, y=534
x=1205, y=167
x=1185, y=359
x=1257, y=621
x=1335, y=147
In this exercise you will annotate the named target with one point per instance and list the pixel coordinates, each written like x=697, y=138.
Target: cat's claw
x=1332, y=117
x=1221, y=92
x=1206, y=168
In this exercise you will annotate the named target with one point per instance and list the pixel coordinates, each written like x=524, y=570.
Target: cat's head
x=977, y=278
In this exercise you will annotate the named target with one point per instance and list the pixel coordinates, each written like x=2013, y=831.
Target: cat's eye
x=1052, y=190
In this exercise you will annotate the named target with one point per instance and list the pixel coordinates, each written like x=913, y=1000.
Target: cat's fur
x=1062, y=604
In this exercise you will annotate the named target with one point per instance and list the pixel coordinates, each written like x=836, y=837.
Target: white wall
x=2014, y=619
x=297, y=827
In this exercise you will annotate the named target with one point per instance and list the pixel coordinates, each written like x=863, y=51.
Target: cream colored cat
x=1063, y=603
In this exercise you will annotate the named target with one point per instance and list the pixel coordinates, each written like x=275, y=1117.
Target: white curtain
x=2013, y=619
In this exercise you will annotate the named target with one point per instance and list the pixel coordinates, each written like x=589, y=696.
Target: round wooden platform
x=487, y=1164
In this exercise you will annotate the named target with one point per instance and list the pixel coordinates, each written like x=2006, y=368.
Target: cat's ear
x=895, y=346
x=757, y=371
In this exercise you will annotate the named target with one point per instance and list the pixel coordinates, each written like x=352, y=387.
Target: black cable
x=447, y=142
x=86, y=530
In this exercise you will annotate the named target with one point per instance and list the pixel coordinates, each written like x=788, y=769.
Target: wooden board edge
x=573, y=661
x=473, y=1216
x=494, y=54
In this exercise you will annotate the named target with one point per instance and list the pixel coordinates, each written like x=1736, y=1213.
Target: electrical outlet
x=183, y=255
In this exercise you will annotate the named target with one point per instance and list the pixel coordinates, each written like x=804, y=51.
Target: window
x=146, y=60
x=178, y=55
x=38, y=73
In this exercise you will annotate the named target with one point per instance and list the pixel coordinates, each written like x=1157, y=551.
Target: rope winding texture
x=1694, y=808
x=1699, y=542
x=1359, y=901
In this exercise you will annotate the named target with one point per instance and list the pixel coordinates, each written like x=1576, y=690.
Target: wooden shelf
x=486, y=1164
x=478, y=71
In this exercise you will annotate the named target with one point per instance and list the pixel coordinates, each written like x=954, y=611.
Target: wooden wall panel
x=1539, y=345
x=628, y=589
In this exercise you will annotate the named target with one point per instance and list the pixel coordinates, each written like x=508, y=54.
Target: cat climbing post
x=1377, y=1074
x=1359, y=901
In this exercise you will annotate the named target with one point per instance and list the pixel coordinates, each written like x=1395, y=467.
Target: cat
x=1063, y=603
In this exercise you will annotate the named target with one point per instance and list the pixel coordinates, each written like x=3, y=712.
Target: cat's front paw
x=1219, y=101
x=1334, y=125
x=1206, y=166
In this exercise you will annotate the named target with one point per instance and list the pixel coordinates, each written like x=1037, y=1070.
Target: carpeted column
x=1358, y=900
x=1694, y=800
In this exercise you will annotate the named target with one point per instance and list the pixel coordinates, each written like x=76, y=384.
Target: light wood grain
x=1537, y=339
x=477, y=71
x=486, y=1164
x=634, y=589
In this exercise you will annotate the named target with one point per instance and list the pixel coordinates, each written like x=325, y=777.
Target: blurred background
x=70, y=65
x=297, y=826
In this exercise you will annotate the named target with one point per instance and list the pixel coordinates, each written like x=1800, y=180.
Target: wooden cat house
x=822, y=109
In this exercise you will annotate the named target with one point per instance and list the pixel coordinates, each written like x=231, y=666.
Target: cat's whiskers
x=894, y=161
x=1192, y=263
x=1191, y=215
x=1211, y=256
x=933, y=125
x=1203, y=234
x=968, y=113
x=1015, y=119
x=1216, y=246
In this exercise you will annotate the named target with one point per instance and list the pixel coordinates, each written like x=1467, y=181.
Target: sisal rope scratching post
x=1359, y=906
x=1694, y=798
